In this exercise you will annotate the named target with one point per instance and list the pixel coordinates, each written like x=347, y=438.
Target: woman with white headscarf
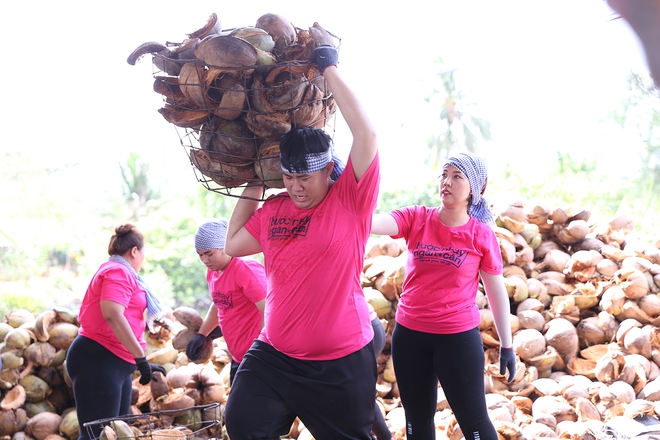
x=238, y=291
x=436, y=337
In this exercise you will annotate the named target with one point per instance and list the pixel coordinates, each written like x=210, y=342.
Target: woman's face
x=214, y=259
x=308, y=190
x=454, y=188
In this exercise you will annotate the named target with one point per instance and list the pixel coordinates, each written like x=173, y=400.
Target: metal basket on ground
x=235, y=93
x=193, y=423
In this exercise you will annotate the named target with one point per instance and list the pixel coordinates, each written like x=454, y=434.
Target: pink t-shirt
x=315, y=308
x=442, y=272
x=234, y=292
x=113, y=282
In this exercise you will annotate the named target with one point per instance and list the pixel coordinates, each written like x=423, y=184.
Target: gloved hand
x=159, y=368
x=195, y=346
x=325, y=56
x=144, y=368
x=508, y=362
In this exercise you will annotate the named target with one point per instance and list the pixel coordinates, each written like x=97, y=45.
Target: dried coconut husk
x=184, y=117
x=279, y=28
x=650, y=304
x=228, y=142
x=268, y=166
x=555, y=406
x=637, y=341
x=573, y=232
x=562, y=335
x=612, y=300
x=612, y=367
x=615, y=253
x=176, y=403
x=234, y=55
x=582, y=265
x=633, y=282
x=268, y=124
x=513, y=270
x=191, y=84
x=584, y=367
x=13, y=399
x=223, y=94
x=528, y=343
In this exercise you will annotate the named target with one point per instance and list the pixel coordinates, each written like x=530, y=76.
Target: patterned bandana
x=318, y=161
x=475, y=169
x=155, y=310
x=211, y=235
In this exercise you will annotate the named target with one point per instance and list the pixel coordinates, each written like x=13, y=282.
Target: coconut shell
x=268, y=166
x=189, y=317
x=14, y=399
x=226, y=95
x=62, y=335
x=228, y=142
x=265, y=125
x=232, y=54
x=226, y=175
x=212, y=26
x=191, y=84
x=43, y=424
x=184, y=117
x=279, y=28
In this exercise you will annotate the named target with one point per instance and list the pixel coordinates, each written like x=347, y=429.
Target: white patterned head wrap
x=475, y=169
x=318, y=161
x=211, y=235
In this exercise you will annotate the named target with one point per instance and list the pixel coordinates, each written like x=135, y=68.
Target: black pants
x=334, y=399
x=380, y=429
x=102, y=383
x=457, y=361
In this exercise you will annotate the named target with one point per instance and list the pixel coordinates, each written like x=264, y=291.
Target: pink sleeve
x=491, y=261
x=253, y=281
x=360, y=197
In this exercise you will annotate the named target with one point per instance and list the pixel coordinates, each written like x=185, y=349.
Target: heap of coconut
x=236, y=92
x=37, y=398
x=584, y=316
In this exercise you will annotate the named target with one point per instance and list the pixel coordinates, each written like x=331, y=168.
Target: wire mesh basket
x=196, y=422
x=232, y=102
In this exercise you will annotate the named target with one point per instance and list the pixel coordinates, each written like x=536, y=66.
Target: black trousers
x=334, y=399
x=457, y=361
x=102, y=383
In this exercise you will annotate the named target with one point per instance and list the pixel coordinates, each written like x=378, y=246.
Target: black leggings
x=102, y=383
x=380, y=428
x=457, y=361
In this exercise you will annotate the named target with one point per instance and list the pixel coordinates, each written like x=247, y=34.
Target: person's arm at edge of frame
x=239, y=242
x=365, y=145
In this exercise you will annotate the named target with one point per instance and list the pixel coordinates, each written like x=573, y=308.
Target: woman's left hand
x=508, y=362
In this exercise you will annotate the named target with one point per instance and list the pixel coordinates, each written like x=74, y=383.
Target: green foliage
x=138, y=192
x=426, y=195
x=18, y=300
x=456, y=125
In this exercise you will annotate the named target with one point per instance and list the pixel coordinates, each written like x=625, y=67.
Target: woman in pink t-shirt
x=110, y=342
x=436, y=337
x=314, y=358
x=238, y=291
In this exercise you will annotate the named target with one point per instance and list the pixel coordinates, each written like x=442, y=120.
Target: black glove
x=325, y=56
x=508, y=362
x=144, y=368
x=215, y=333
x=195, y=346
x=159, y=368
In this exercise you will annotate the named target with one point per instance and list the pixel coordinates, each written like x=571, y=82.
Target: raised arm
x=239, y=242
x=365, y=145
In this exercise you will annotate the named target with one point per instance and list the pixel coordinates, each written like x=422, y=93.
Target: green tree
x=137, y=190
x=457, y=126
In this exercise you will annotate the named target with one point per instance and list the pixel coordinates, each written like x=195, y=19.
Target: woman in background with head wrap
x=314, y=358
x=237, y=287
x=110, y=342
x=436, y=337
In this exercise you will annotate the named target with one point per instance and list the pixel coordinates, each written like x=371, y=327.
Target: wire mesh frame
x=227, y=171
x=151, y=422
x=231, y=175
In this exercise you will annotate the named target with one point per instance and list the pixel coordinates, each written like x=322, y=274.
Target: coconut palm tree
x=457, y=126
